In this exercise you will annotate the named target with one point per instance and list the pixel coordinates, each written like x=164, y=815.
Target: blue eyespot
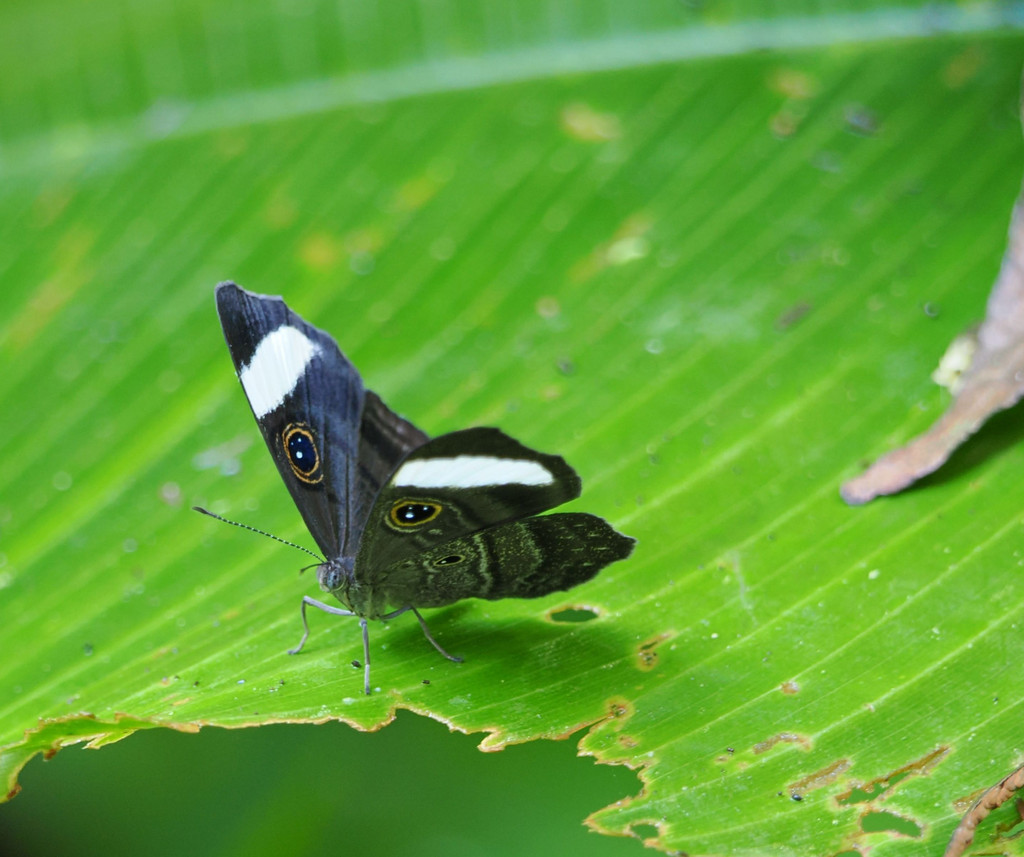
x=300, y=448
x=302, y=452
x=413, y=513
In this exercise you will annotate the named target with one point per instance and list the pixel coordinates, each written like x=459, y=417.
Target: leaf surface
x=712, y=277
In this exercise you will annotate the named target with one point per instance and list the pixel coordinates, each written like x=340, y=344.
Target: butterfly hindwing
x=384, y=440
x=455, y=485
x=527, y=558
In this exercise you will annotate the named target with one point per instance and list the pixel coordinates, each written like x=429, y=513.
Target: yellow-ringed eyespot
x=451, y=559
x=300, y=448
x=413, y=513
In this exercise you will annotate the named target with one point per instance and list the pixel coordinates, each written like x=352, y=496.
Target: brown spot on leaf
x=782, y=738
x=820, y=778
x=963, y=803
x=787, y=121
x=70, y=270
x=790, y=687
x=792, y=83
x=792, y=315
x=320, y=251
x=964, y=67
x=619, y=709
x=864, y=792
x=647, y=654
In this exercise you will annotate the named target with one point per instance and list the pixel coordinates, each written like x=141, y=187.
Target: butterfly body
x=403, y=521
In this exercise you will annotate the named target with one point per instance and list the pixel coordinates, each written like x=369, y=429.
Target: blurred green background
x=411, y=788
x=708, y=251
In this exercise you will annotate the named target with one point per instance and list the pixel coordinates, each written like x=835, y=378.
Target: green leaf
x=715, y=278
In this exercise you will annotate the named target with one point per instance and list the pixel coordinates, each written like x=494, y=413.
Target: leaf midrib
x=39, y=152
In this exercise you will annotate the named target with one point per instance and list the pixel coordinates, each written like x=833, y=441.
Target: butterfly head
x=336, y=576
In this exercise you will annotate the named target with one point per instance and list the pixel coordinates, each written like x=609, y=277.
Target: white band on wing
x=471, y=471
x=278, y=363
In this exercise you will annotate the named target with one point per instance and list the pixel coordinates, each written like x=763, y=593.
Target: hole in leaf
x=880, y=785
x=644, y=831
x=870, y=791
x=880, y=822
x=1016, y=827
x=573, y=614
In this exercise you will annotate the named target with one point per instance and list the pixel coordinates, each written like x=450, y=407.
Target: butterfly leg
x=366, y=655
x=337, y=611
x=428, y=635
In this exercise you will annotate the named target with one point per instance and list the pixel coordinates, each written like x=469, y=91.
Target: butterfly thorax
x=337, y=576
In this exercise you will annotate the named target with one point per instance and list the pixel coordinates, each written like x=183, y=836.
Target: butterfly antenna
x=319, y=558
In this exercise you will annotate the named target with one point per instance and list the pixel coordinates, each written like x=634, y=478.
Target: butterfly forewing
x=455, y=485
x=384, y=440
x=308, y=401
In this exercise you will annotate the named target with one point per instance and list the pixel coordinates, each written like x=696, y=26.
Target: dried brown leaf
x=991, y=799
x=993, y=382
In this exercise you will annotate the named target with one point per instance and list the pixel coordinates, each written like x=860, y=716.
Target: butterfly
x=403, y=521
